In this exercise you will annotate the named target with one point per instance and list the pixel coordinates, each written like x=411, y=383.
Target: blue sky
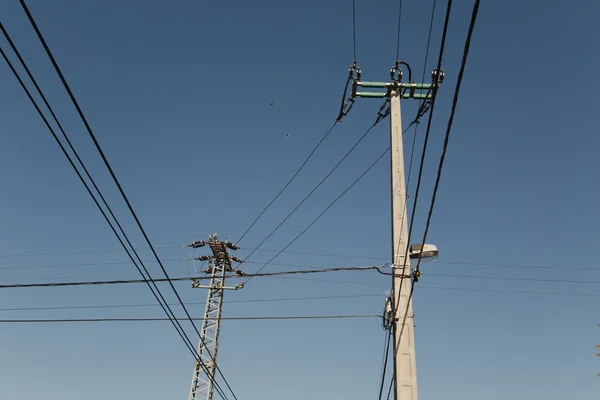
x=177, y=93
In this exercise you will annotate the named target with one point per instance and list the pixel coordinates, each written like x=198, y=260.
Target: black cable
x=115, y=179
x=386, y=353
x=429, y=120
x=390, y=388
x=393, y=380
x=290, y=180
x=78, y=265
x=337, y=281
x=421, y=104
x=156, y=294
x=191, y=278
x=396, y=302
x=312, y=191
x=479, y=264
x=269, y=318
x=415, y=121
x=272, y=300
x=510, y=291
x=463, y=263
x=501, y=278
x=399, y=24
x=99, y=148
x=461, y=73
x=448, y=130
x=354, y=28
x=62, y=253
x=321, y=214
x=410, y=165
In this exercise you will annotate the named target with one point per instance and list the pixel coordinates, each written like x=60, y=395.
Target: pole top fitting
x=396, y=72
x=438, y=76
x=354, y=71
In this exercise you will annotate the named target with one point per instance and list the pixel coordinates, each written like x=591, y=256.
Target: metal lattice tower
x=219, y=264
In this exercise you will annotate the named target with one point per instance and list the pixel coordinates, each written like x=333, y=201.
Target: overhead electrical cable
x=191, y=278
x=289, y=181
x=285, y=274
x=386, y=353
x=461, y=73
x=420, y=113
x=437, y=75
x=65, y=253
x=412, y=151
x=354, y=29
x=266, y=318
x=120, y=188
x=445, y=146
x=372, y=258
x=331, y=171
x=148, y=305
x=399, y=25
x=157, y=294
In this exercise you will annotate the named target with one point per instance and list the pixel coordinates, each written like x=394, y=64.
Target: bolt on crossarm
x=399, y=309
x=219, y=264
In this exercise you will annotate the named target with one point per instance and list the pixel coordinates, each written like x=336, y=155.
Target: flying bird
x=287, y=135
x=272, y=103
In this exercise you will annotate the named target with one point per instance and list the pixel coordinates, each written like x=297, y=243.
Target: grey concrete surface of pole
x=405, y=369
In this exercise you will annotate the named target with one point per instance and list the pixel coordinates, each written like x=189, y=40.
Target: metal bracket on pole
x=196, y=285
x=407, y=90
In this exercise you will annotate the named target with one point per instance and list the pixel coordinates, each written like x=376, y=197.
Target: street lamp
x=427, y=251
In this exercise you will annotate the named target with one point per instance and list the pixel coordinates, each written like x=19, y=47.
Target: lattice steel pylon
x=219, y=264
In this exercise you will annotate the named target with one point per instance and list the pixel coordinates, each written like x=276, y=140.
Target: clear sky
x=178, y=93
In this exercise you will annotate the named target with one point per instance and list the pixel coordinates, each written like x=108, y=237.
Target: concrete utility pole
x=219, y=264
x=405, y=365
x=405, y=372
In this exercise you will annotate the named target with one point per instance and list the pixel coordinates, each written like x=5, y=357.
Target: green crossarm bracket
x=380, y=95
x=385, y=85
x=407, y=90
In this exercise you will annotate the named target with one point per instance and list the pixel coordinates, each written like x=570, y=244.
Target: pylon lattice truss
x=219, y=264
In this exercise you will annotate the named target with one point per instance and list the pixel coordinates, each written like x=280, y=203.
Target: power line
x=510, y=291
x=312, y=191
x=412, y=151
x=420, y=113
x=267, y=318
x=437, y=76
x=463, y=263
x=446, y=287
x=120, y=188
x=461, y=73
x=289, y=181
x=354, y=29
x=448, y=129
x=190, y=278
x=155, y=291
x=386, y=353
x=98, y=147
x=348, y=256
x=272, y=300
x=399, y=24
x=287, y=273
x=505, y=278
x=78, y=265
x=64, y=253
x=323, y=212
